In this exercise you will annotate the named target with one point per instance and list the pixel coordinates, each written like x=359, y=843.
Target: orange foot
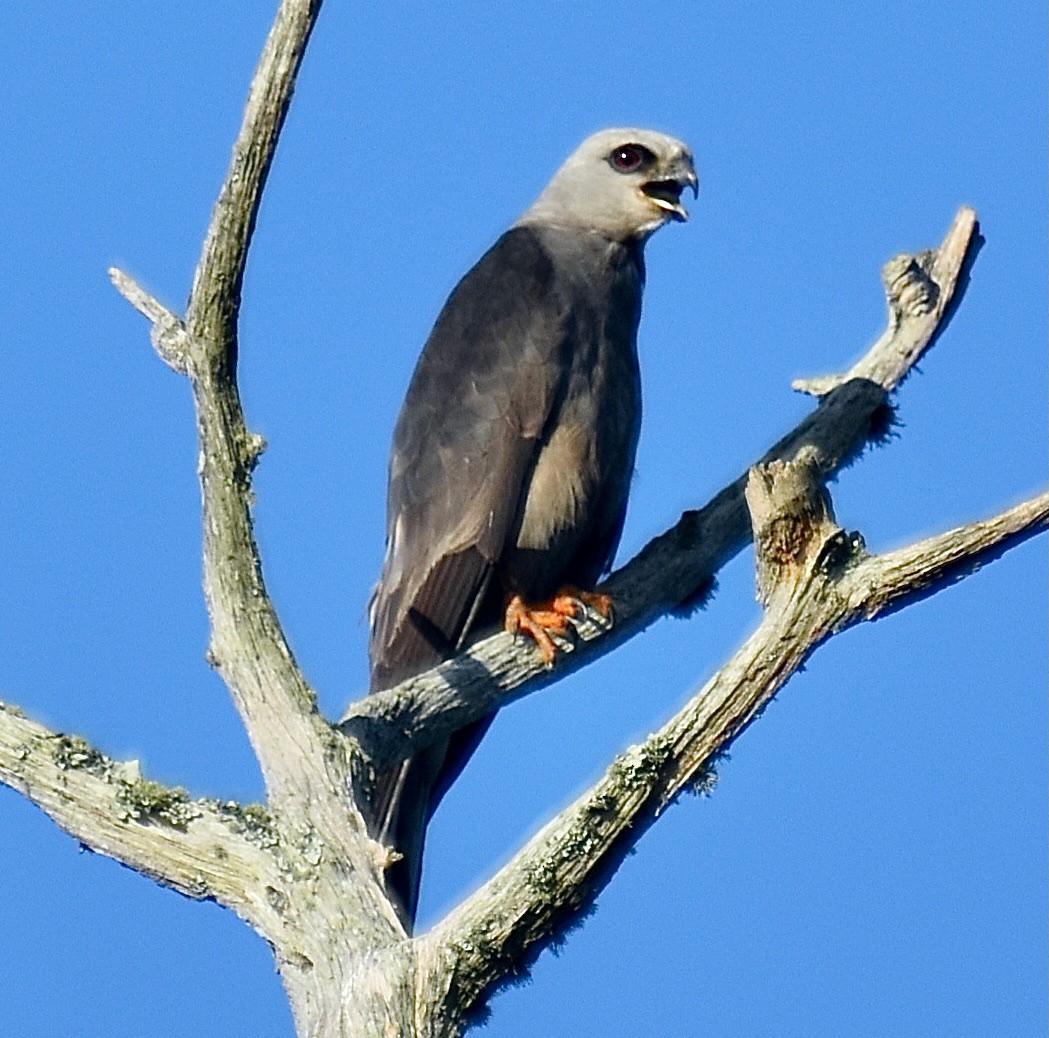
x=550, y=618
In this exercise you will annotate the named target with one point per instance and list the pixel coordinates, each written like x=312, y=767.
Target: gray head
x=623, y=184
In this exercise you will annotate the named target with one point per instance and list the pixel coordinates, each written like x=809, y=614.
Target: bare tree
x=302, y=870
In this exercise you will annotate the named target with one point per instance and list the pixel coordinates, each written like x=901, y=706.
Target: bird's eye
x=630, y=157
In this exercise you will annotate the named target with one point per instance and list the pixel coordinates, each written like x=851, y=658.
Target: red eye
x=630, y=157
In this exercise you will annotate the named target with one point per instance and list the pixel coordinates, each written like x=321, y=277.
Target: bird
x=514, y=449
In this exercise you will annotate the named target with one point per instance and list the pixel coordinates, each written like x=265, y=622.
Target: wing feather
x=465, y=444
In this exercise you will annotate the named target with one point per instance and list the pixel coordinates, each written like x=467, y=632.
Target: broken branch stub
x=792, y=519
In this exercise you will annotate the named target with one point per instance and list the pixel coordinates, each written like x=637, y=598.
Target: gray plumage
x=514, y=449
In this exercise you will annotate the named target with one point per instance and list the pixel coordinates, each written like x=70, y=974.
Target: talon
x=599, y=603
x=538, y=623
x=550, y=618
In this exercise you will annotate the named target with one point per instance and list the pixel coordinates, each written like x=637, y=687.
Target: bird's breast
x=584, y=466
x=575, y=495
x=561, y=486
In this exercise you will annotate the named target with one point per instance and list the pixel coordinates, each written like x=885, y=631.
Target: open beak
x=666, y=191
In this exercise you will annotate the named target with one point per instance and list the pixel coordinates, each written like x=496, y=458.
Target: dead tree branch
x=816, y=581
x=201, y=848
x=303, y=870
x=322, y=836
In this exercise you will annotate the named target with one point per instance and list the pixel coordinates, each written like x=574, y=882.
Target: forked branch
x=816, y=581
x=303, y=871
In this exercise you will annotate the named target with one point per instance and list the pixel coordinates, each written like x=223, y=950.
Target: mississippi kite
x=514, y=450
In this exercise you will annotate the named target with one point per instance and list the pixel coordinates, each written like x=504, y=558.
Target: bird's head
x=623, y=184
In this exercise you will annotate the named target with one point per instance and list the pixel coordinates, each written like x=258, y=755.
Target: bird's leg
x=550, y=618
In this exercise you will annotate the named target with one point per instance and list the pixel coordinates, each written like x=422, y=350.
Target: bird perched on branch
x=514, y=450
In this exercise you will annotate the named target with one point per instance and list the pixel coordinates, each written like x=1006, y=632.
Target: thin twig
x=903, y=576
x=168, y=333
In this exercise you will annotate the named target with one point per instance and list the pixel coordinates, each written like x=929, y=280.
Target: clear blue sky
x=873, y=860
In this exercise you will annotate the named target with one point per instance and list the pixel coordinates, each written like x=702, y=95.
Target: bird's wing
x=486, y=385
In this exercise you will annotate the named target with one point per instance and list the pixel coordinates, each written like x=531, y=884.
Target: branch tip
x=922, y=291
x=168, y=334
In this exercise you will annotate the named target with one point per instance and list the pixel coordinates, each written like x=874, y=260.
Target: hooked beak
x=666, y=191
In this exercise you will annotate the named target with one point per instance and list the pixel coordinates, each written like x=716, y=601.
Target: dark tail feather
x=406, y=799
x=455, y=597
x=402, y=800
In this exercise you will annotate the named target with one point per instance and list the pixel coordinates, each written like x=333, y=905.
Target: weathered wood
x=201, y=848
x=818, y=581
